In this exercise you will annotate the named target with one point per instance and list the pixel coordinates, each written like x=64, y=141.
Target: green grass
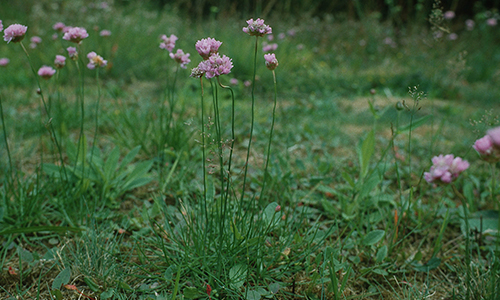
x=129, y=212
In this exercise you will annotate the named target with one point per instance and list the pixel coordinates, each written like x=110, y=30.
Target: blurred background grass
x=342, y=47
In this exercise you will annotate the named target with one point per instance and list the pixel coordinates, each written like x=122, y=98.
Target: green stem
x=270, y=136
x=467, y=246
x=5, y=140
x=49, y=118
x=253, y=119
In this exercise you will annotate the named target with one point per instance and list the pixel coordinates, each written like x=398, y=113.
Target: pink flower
x=105, y=32
x=72, y=53
x=196, y=73
x=491, y=22
x=95, y=60
x=488, y=147
x=281, y=36
x=35, y=40
x=46, y=72
x=14, y=33
x=270, y=37
x=452, y=36
x=271, y=61
x=75, y=34
x=54, y=36
x=168, y=42
x=233, y=81
x=494, y=134
x=207, y=47
x=446, y=168
x=60, y=61
x=59, y=26
x=216, y=65
x=470, y=24
x=257, y=28
x=4, y=62
x=291, y=32
x=269, y=47
x=1, y=25
x=449, y=15
x=247, y=83
x=181, y=57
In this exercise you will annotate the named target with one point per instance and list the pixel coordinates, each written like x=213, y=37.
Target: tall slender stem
x=253, y=119
x=11, y=179
x=270, y=136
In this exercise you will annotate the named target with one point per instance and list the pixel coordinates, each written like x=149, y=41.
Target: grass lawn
x=316, y=176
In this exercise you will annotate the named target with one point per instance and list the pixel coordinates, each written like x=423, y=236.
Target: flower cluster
x=72, y=53
x=488, y=146
x=14, y=33
x=181, y=57
x=257, y=28
x=59, y=26
x=213, y=64
x=168, y=42
x=271, y=61
x=60, y=61
x=445, y=168
x=4, y=62
x=95, y=60
x=105, y=33
x=269, y=47
x=207, y=47
x=75, y=34
x=34, y=41
x=46, y=72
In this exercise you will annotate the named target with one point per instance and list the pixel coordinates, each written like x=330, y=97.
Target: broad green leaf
x=347, y=177
x=129, y=157
x=191, y=293
x=111, y=163
x=62, y=278
x=373, y=237
x=57, y=294
x=271, y=217
x=25, y=255
x=107, y=294
x=366, y=152
x=237, y=275
x=253, y=295
x=381, y=254
x=432, y=264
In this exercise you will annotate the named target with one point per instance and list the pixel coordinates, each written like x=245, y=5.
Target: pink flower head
x=95, y=60
x=270, y=37
x=207, y=47
x=14, y=33
x=445, y=168
x=1, y=25
x=470, y=24
x=233, y=81
x=105, y=32
x=257, y=28
x=60, y=61
x=216, y=65
x=35, y=40
x=281, y=36
x=247, y=83
x=196, y=73
x=269, y=47
x=494, y=134
x=72, y=53
x=181, y=57
x=4, y=62
x=75, y=34
x=449, y=15
x=271, y=61
x=491, y=22
x=59, y=26
x=452, y=36
x=46, y=72
x=168, y=42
